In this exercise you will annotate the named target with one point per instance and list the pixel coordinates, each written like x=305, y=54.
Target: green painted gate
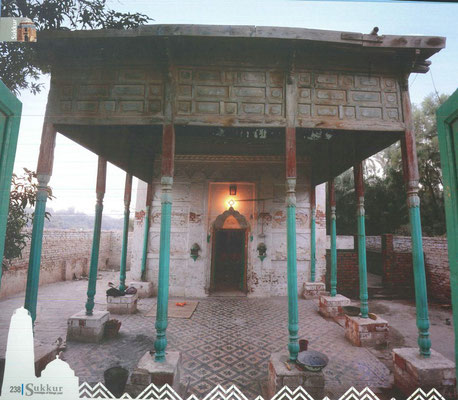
x=10, y=117
x=447, y=130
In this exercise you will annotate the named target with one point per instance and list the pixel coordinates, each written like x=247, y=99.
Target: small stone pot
x=303, y=344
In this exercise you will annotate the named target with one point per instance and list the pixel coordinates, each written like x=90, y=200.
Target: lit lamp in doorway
x=232, y=192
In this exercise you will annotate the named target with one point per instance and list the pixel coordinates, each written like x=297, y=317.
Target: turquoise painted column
x=332, y=202
x=168, y=149
x=411, y=177
x=100, y=192
x=313, y=234
x=293, y=314
x=125, y=232
x=44, y=171
x=360, y=215
x=149, y=191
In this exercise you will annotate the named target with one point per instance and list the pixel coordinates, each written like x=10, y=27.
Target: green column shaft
x=33, y=272
x=421, y=298
x=91, y=287
x=160, y=343
x=363, y=295
x=313, y=245
x=293, y=315
x=125, y=236
x=333, y=252
x=145, y=244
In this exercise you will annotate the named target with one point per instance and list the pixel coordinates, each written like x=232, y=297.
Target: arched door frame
x=218, y=225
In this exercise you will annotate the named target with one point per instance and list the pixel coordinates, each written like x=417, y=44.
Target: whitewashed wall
x=190, y=224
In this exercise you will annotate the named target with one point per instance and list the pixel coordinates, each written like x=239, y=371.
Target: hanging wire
x=434, y=85
x=414, y=79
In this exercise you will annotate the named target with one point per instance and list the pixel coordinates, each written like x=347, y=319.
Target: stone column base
x=150, y=372
x=312, y=290
x=144, y=289
x=280, y=375
x=411, y=371
x=366, y=332
x=126, y=304
x=87, y=328
x=331, y=307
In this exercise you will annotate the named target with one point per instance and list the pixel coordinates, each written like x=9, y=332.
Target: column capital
x=291, y=192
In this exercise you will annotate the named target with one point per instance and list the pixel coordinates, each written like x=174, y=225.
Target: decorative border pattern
x=166, y=392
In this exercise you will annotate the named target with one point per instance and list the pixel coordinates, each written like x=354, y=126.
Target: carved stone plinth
x=411, y=371
x=366, y=332
x=126, y=304
x=87, y=328
x=331, y=307
x=144, y=289
x=280, y=375
x=312, y=290
x=149, y=371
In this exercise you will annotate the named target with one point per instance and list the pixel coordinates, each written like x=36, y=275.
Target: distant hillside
x=71, y=219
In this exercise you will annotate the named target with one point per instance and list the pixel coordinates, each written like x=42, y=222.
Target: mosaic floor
x=227, y=340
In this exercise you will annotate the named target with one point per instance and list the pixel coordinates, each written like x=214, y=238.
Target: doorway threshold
x=227, y=293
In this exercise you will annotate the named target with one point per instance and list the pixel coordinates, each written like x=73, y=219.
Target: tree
x=385, y=196
x=23, y=196
x=19, y=68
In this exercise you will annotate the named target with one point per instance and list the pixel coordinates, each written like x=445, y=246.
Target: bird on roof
x=374, y=31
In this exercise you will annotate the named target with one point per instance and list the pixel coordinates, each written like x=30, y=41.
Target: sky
x=75, y=168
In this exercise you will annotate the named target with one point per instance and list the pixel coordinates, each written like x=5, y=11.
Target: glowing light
x=231, y=202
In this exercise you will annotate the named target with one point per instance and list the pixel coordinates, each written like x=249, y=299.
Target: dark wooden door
x=229, y=259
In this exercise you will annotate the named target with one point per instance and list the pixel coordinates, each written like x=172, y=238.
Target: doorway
x=229, y=253
x=229, y=260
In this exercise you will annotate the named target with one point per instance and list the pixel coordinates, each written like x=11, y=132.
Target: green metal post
x=291, y=263
x=168, y=153
x=145, y=243
x=313, y=234
x=149, y=191
x=293, y=315
x=44, y=171
x=125, y=233
x=411, y=177
x=92, y=283
x=33, y=272
x=164, y=263
x=332, y=202
x=363, y=295
x=421, y=298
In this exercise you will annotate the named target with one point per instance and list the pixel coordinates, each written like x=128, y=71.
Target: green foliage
x=18, y=62
x=23, y=196
x=385, y=195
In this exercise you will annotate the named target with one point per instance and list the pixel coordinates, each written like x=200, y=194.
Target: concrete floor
x=228, y=340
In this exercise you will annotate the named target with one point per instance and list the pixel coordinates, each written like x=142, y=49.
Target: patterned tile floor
x=227, y=340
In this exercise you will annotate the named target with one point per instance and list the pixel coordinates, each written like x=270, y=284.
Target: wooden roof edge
x=251, y=31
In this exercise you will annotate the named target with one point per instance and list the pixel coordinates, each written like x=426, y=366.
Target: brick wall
x=347, y=272
x=391, y=257
x=65, y=254
x=436, y=264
